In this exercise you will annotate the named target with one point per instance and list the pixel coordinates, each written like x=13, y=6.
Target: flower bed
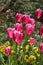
x=24, y=45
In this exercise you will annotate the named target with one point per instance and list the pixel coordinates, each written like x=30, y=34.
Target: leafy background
x=8, y=10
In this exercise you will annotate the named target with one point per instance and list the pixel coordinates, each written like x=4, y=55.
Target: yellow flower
x=4, y=46
x=27, y=47
x=35, y=49
x=26, y=58
x=21, y=51
x=12, y=51
x=7, y=43
x=1, y=48
x=32, y=57
x=38, y=54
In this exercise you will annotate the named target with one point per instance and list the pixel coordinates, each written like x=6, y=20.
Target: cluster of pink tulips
x=17, y=33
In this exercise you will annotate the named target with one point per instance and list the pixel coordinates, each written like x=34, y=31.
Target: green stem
x=9, y=60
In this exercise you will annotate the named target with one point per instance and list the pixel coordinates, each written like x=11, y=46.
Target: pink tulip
x=17, y=36
x=18, y=27
x=18, y=17
x=38, y=13
x=41, y=30
x=32, y=40
x=41, y=47
x=25, y=18
x=7, y=50
x=10, y=31
x=31, y=21
x=29, y=29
